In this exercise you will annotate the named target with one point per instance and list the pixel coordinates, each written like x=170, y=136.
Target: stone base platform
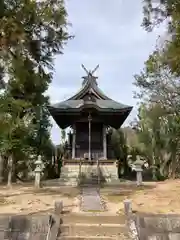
x=77, y=172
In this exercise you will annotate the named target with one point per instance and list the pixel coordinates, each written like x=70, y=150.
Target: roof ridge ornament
x=90, y=75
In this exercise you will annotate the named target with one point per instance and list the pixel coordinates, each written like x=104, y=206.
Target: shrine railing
x=87, y=162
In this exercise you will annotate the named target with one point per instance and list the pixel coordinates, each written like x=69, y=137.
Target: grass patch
x=95, y=211
x=124, y=192
x=118, y=196
x=70, y=193
x=4, y=201
x=115, y=198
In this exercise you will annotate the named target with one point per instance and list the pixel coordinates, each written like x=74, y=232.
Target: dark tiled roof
x=102, y=101
x=101, y=104
x=89, y=96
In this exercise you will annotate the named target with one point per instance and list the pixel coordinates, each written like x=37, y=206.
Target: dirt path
x=163, y=197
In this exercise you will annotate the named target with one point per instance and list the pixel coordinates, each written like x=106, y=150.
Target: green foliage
x=155, y=12
x=167, y=11
x=32, y=33
x=118, y=142
x=120, y=148
x=36, y=29
x=159, y=133
x=158, y=85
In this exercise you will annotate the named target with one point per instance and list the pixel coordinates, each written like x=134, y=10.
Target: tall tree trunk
x=1, y=168
x=174, y=167
x=154, y=177
x=126, y=167
x=164, y=162
x=10, y=170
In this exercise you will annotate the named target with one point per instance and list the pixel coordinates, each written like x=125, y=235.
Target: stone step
x=88, y=237
x=78, y=218
x=107, y=230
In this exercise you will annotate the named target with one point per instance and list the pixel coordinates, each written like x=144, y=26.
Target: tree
x=119, y=145
x=33, y=29
x=31, y=34
x=156, y=84
x=14, y=130
x=168, y=11
x=158, y=131
x=159, y=92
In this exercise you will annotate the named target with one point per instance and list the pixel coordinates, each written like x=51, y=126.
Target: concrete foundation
x=74, y=172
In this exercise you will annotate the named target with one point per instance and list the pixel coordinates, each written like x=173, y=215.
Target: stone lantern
x=38, y=170
x=138, y=168
x=154, y=170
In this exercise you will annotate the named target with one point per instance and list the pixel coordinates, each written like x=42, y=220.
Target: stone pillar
x=69, y=140
x=127, y=207
x=154, y=171
x=98, y=172
x=139, y=177
x=74, y=142
x=89, y=121
x=104, y=143
x=138, y=168
x=80, y=175
x=58, y=207
x=38, y=171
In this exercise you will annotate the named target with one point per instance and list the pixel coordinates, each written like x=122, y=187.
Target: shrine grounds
x=154, y=197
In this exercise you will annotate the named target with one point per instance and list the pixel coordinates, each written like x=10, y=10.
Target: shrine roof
x=99, y=101
x=99, y=104
x=90, y=96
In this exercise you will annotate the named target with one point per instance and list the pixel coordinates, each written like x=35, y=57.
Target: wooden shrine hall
x=89, y=114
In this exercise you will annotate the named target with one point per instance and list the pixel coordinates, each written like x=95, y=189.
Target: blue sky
x=108, y=33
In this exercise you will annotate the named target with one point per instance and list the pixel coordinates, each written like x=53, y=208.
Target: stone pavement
x=91, y=200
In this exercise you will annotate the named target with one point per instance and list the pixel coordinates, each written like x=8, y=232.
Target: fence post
x=133, y=232
x=98, y=172
x=127, y=207
x=58, y=207
x=55, y=221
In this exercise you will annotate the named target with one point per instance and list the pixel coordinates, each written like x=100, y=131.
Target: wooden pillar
x=89, y=121
x=104, y=143
x=74, y=142
x=69, y=138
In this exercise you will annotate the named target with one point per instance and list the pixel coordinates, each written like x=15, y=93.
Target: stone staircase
x=73, y=173
x=95, y=227
x=66, y=227
x=89, y=175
